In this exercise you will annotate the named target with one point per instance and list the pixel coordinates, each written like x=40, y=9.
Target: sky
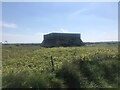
x=27, y=22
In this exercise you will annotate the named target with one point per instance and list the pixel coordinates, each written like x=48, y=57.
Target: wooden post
x=52, y=64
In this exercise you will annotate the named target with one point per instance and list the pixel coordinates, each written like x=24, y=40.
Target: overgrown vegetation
x=92, y=66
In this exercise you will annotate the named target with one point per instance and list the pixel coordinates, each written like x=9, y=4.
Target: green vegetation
x=90, y=66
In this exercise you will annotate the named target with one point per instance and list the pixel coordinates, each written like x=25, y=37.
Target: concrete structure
x=62, y=39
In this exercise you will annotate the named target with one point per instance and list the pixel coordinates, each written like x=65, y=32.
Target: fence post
x=52, y=64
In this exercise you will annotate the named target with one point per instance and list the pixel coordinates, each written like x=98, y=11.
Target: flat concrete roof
x=63, y=34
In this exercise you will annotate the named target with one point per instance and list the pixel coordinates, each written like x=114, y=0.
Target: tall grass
x=75, y=67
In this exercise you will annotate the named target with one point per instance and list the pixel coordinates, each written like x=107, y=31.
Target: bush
x=54, y=82
x=12, y=80
x=37, y=80
x=102, y=73
x=110, y=70
x=70, y=74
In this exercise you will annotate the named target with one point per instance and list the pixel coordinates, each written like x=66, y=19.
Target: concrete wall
x=61, y=39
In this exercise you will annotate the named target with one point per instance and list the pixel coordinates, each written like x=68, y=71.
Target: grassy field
x=89, y=66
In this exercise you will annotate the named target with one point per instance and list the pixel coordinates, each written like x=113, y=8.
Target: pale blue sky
x=28, y=22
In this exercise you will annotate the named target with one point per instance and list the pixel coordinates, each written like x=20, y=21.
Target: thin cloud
x=67, y=31
x=8, y=25
x=78, y=12
x=63, y=30
x=22, y=38
x=58, y=30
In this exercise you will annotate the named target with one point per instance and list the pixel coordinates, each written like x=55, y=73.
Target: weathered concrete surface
x=61, y=39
